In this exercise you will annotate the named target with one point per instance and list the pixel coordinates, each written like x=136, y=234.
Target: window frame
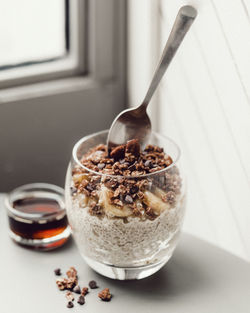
x=94, y=52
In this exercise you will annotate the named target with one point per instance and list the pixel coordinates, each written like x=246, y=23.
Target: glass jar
x=37, y=216
x=120, y=244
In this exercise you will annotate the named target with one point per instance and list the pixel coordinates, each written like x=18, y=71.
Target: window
x=62, y=80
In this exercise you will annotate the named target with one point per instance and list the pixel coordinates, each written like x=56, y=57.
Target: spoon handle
x=183, y=21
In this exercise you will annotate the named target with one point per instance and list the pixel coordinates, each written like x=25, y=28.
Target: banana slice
x=111, y=209
x=155, y=202
x=78, y=178
x=159, y=192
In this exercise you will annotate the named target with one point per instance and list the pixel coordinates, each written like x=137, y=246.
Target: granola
x=70, y=282
x=122, y=191
x=105, y=295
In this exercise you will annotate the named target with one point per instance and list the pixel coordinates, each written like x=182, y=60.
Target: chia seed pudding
x=125, y=207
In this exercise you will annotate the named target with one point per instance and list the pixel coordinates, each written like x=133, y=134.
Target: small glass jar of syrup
x=37, y=216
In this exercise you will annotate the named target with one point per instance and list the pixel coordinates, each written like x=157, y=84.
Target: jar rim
x=23, y=191
x=85, y=138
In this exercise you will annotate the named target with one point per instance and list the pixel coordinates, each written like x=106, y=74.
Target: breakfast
x=126, y=205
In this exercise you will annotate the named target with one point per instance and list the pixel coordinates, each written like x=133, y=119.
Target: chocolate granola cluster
x=105, y=295
x=70, y=282
x=129, y=164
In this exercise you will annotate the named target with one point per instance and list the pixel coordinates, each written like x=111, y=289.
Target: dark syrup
x=44, y=226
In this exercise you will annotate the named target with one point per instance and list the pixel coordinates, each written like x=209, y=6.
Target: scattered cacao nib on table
x=69, y=296
x=66, y=284
x=92, y=284
x=105, y=295
x=69, y=282
x=77, y=289
x=70, y=305
x=57, y=271
x=81, y=300
x=85, y=291
x=72, y=273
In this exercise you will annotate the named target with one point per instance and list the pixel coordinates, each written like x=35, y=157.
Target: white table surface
x=199, y=278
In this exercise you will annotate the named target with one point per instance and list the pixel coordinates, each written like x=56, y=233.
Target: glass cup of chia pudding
x=125, y=207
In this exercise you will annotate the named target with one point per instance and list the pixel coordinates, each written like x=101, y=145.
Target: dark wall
x=37, y=136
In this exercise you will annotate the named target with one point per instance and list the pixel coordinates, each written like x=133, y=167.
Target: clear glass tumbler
x=120, y=244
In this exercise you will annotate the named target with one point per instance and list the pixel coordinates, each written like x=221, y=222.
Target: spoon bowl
x=130, y=124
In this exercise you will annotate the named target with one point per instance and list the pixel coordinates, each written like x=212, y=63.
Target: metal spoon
x=134, y=122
